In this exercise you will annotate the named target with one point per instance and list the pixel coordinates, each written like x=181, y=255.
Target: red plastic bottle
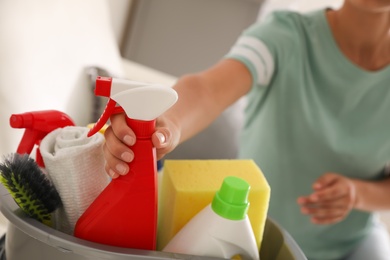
x=38, y=124
x=125, y=213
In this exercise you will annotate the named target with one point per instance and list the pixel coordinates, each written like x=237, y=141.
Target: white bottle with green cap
x=222, y=229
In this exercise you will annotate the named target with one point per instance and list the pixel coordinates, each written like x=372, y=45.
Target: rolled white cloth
x=75, y=164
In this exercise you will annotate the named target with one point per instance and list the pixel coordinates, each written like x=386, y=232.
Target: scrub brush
x=29, y=186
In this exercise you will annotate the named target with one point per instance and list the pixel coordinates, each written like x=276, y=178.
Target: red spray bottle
x=38, y=124
x=125, y=213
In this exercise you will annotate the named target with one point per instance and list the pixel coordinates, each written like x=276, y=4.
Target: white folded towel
x=75, y=164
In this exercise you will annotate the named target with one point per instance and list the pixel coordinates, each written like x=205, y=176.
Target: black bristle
x=29, y=186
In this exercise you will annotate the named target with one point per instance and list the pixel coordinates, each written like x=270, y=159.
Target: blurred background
x=178, y=37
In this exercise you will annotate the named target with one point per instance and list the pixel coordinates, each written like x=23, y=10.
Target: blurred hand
x=334, y=196
x=119, y=139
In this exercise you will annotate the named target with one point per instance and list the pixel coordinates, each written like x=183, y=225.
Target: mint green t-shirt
x=311, y=111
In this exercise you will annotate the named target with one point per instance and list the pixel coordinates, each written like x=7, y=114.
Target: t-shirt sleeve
x=261, y=46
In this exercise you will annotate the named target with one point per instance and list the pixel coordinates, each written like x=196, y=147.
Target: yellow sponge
x=190, y=185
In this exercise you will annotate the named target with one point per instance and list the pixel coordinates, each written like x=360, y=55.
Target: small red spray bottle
x=125, y=213
x=38, y=124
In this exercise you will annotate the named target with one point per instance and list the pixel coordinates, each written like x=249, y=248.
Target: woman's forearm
x=204, y=96
x=372, y=195
x=194, y=110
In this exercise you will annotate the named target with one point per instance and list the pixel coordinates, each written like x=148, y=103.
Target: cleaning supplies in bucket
x=75, y=164
x=125, y=213
x=221, y=229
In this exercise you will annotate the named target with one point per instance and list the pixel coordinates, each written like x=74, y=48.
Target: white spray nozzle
x=139, y=100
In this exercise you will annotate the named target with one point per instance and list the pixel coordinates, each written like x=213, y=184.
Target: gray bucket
x=28, y=239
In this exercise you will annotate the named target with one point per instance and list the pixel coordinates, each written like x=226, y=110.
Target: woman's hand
x=119, y=139
x=334, y=196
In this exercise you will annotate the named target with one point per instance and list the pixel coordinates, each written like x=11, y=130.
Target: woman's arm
x=372, y=195
x=204, y=96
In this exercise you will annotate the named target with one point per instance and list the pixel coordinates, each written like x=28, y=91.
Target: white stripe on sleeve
x=253, y=58
x=258, y=54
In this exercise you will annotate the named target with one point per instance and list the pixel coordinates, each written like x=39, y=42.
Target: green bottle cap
x=231, y=201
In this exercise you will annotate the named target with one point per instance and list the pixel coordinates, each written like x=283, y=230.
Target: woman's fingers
x=116, y=148
x=121, y=130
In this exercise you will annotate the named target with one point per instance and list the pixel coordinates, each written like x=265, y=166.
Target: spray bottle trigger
x=108, y=111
